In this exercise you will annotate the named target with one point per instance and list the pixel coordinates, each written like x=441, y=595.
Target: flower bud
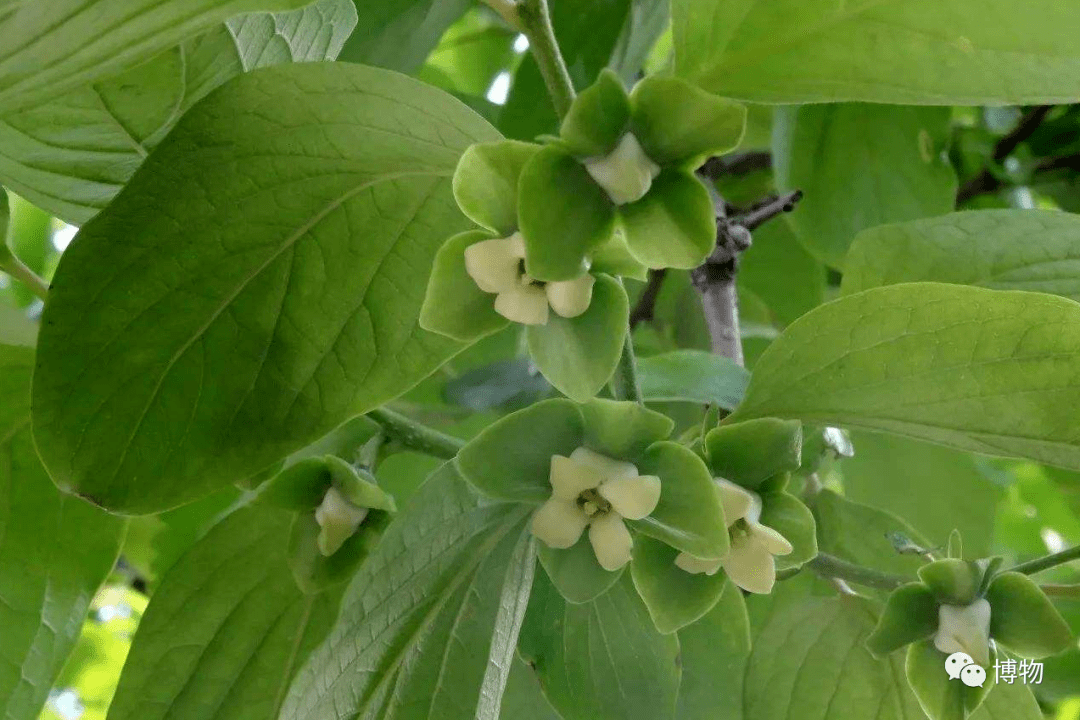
x=626, y=173
x=338, y=519
x=965, y=628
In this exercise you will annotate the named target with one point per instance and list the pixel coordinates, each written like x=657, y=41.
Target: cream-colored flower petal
x=338, y=521
x=569, y=477
x=570, y=298
x=696, y=565
x=633, y=497
x=736, y=500
x=611, y=541
x=494, y=265
x=525, y=304
x=965, y=628
x=750, y=566
x=609, y=468
x=770, y=539
x=626, y=173
x=559, y=523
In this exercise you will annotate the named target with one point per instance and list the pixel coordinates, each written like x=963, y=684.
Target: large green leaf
x=863, y=535
x=429, y=624
x=934, y=52
x=933, y=488
x=692, y=376
x=982, y=370
x=523, y=698
x=808, y=661
x=601, y=660
x=226, y=630
x=399, y=34
x=859, y=166
x=713, y=654
x=257, y=283
x=55, y=550
x=1000, y=249
x=71, y=154
x=56, y=46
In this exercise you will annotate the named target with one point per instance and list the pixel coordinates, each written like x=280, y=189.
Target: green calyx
x=626, y=157
x=953, y=581
x=751, y=452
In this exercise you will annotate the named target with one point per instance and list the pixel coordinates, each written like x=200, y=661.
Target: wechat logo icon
x=960, y=666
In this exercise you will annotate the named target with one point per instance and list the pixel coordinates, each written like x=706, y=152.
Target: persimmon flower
x=338, y=519
x=965, y=628
x=750, y=562
x=595, y=491
x=626, y=173
x=498, y=266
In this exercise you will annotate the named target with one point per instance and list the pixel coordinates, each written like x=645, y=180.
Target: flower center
x=593, y=504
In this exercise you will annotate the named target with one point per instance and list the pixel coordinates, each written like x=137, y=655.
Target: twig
x=645, y=308
x=1050, y=561
x=15, y=267
x=534, y=19
x=715, y=279
x=737, y=164
x=830, y=566
x=986, y=181
x=414, y=436
x=766, y=211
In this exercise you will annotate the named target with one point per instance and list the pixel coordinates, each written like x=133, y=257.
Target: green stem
x=1045, y=563
x=15, y=267
x=414, y=436
x=625, y=384
x=534, y=19
x=829, y=566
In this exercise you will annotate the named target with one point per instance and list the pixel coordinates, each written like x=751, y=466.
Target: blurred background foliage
x=858, y=165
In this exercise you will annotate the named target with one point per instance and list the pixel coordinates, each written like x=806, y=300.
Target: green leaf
x=623, y=430
x=941, y=698
x=598, y=117
x=975, y=369
x=1009, y=702
x=679, y=124
x=693, y=376
x=564, y=215
x=749, y=453
x=935, y=490
x=1023, y=619
x=1001, y=249
x=486, y=183
x=861, y=534
x=861, y=166
x=689, y=516
x=602, y=660
x=38, y=62
x=910, y=615
x=216, y=346
x=578, y=355
x=431, y=619
x=72, y=153
x=55, y=550
x=399, y=34
x=714, y=651
x=523, y=698
x=674, y=225
x=576, y=573
x=782, y=273
x=674, y=597
x=511, y=459
x=923, y=52
x=227, y=629
x=809, y=660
